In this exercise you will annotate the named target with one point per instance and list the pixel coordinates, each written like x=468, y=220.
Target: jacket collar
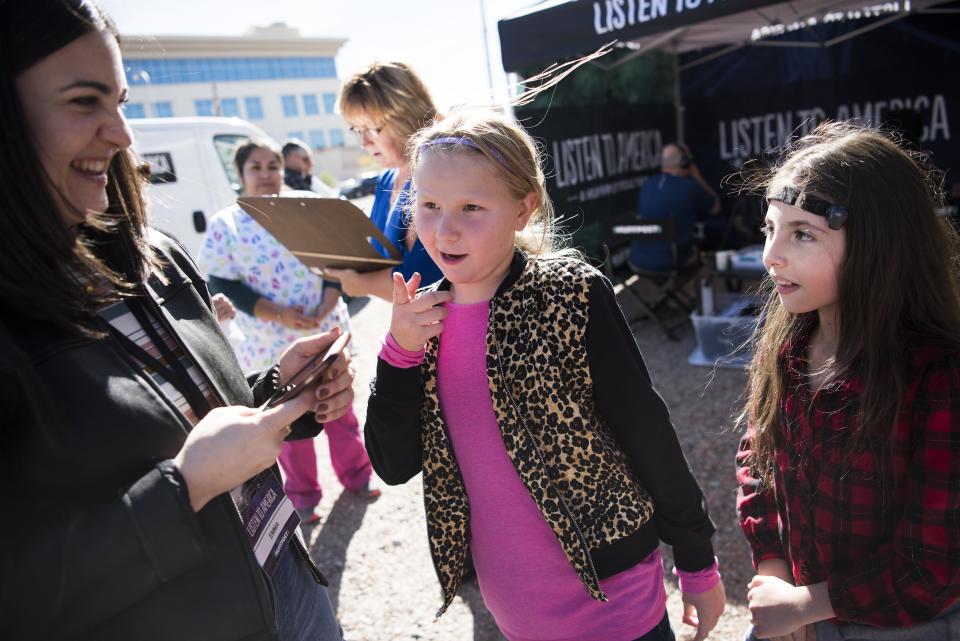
x=197, y=332
x=517, y=265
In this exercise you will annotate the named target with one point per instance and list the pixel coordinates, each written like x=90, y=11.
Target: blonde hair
x=512, y=153
x=391, y=93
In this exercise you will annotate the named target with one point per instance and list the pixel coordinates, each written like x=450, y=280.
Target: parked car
x=191, y=170
x=365, y=186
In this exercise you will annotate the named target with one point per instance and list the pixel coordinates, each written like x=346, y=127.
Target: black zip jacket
x=98, y=538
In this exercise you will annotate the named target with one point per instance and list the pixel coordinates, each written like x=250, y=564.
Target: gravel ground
x=375, y=554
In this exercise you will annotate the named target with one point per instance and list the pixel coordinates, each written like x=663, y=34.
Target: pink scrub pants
x=347, y=454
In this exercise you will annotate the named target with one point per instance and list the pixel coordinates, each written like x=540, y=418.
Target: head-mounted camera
x=836, y=215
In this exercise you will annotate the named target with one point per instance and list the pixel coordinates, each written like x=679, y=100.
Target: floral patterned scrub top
x=237, y=248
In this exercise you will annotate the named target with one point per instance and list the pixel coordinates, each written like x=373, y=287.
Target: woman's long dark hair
x=44, y=265
x=898, y=281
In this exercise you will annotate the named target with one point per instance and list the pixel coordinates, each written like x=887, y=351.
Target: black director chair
x=653, y=291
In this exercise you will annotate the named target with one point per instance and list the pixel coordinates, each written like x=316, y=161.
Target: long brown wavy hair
x=898, y=281
x=44, y=266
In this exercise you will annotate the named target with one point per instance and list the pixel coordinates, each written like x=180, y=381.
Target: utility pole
x=486, y=47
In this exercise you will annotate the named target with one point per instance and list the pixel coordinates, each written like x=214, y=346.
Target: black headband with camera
x=836, y=215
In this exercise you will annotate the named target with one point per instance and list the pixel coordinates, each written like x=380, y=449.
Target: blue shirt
x=676, y=197
x=393, y=224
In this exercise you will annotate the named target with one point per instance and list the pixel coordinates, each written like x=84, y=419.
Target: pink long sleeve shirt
x=526, y=580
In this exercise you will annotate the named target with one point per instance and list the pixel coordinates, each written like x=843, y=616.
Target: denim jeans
x=661, y=632
x=303, y=608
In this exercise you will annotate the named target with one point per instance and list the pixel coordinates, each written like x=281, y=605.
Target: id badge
x=268, y=516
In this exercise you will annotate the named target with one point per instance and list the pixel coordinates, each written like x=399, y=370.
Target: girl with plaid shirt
x=849, y=471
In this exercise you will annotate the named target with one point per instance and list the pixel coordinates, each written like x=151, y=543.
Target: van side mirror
x=199, y=221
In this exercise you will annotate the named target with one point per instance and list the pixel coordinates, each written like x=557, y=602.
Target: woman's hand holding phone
x=332, y=395
x=232, y=444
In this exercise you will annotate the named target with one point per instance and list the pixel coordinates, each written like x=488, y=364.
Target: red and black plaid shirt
x=882, y=529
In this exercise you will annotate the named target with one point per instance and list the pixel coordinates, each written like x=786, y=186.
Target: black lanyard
x=172, y=370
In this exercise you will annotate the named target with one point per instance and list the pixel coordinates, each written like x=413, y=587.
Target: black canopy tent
x=558, y=29
x=697, y=31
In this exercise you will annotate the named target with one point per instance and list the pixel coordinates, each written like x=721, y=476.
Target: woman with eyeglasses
x=385, y=104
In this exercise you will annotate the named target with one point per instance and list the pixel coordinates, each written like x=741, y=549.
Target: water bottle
x=706, y=296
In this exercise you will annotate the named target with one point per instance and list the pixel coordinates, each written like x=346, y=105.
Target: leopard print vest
x=542, y=392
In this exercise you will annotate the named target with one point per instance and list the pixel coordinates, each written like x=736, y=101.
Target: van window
x=227, y=145
x=161, y=168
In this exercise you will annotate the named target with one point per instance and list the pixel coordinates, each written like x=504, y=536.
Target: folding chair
x=667, y=285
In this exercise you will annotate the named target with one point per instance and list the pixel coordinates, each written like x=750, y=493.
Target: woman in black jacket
x=142, y=500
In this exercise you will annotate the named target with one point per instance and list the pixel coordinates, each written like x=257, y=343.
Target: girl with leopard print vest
x=515, y=386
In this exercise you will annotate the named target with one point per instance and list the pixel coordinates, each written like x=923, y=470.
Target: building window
x=203, y=107
x=229, y=107
x=173, y=71
x=135, y=110
x=317, y=139
x=163, y=109
x=295, y=134
x=289, y=106
x=336, y=137
x=310, y=107
x=254, y=108
x=329, y=101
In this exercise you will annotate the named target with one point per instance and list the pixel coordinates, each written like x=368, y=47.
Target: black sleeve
x=392, y=430
x=241, y=295
x=640, y=421
x=263, y=386
x=333, y=283
x=86, y=562
x=702, y=199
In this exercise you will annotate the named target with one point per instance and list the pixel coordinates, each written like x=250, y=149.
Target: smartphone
x=311, y=371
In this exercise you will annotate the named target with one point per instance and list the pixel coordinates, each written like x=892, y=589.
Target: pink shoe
x=308, y=515
x=368, y=492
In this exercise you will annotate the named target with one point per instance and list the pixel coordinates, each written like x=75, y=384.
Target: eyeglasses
x=372, y=132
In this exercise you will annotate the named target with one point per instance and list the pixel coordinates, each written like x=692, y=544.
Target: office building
x=284, y=83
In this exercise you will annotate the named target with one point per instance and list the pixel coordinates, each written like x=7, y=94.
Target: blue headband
x=458, y=140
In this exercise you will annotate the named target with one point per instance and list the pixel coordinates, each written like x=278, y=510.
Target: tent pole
x=711, y=56
x=677, y=99
x=486, y=47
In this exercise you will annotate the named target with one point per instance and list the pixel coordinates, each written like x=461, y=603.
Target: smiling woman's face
x=73, y=102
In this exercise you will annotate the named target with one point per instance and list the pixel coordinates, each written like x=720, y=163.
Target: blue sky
x=442, y=39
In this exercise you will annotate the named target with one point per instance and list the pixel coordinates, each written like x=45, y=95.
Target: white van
x=191, y=170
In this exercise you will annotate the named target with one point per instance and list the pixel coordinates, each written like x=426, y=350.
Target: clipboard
x=322, y=232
